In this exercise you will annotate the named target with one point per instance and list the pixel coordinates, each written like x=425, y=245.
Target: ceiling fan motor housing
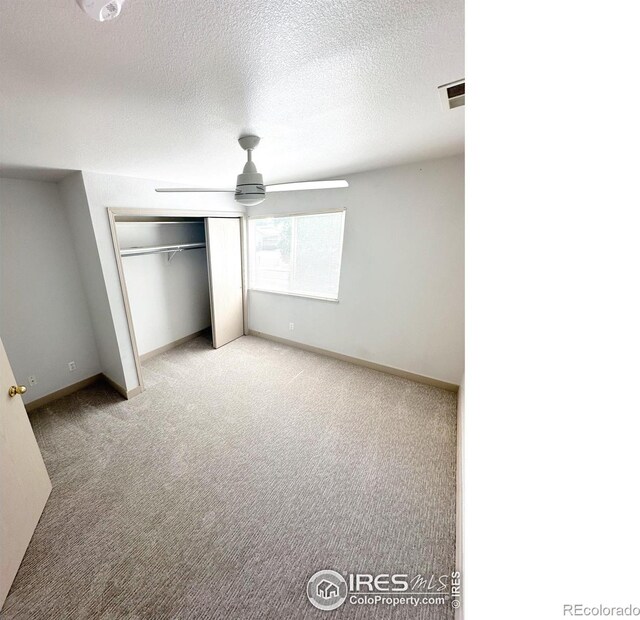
x=250, y=188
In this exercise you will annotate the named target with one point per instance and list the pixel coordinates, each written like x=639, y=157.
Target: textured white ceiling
x=332, y=86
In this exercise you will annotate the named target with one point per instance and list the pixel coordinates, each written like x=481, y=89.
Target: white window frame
x=335, y=299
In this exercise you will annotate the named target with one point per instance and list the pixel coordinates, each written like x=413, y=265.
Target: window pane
x=296, y=254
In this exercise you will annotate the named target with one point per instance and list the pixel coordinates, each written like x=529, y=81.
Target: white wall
x=402, y=282
x=106, y=190
x=73, y=194
x=44, y=316
x=168, y=299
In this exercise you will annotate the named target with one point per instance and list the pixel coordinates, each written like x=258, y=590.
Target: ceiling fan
x=250, y=189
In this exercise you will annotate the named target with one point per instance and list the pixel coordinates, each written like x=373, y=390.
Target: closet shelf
x=162, y=249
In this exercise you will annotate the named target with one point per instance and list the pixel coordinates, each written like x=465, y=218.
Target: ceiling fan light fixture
x=101, y=10
x=250, y=189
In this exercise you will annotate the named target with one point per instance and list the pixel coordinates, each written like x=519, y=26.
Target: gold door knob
x=17, y=389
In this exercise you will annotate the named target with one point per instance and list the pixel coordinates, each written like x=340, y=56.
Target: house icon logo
x=327, y=590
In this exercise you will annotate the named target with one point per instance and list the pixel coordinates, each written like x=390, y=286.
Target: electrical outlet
x=72, y=366
x=290, y=327
x=32, y=380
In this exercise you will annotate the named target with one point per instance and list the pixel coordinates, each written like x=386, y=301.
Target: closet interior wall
x=168, y=291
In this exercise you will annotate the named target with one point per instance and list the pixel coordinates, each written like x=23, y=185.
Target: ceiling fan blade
x=192, y=189
x=302, y=185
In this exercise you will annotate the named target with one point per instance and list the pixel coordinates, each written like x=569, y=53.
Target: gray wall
x=459, y=615
x=44, y=315
x=402, y=281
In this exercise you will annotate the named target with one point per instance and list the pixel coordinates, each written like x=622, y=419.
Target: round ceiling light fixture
x=101, y=10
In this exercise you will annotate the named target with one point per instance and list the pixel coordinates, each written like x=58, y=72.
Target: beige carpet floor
x=232, y=479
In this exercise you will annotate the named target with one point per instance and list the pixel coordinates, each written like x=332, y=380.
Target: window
x=296, y=254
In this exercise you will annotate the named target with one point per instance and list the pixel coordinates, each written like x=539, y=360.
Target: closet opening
x=181, y=276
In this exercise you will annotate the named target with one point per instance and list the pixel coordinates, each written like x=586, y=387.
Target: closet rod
x=161, y=249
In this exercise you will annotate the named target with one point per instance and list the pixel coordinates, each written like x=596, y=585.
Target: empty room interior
x=231, y=309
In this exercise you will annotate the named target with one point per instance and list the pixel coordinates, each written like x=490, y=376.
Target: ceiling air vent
x=452, y=95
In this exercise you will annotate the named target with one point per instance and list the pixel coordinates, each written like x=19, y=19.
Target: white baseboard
x=405, y=374
x=65, y=391
x=176, y=343
x=121, y=390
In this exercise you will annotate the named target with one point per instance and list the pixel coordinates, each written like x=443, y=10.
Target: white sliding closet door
x=224, y=256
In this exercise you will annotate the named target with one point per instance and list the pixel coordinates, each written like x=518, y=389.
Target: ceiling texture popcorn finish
x=165, y=90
